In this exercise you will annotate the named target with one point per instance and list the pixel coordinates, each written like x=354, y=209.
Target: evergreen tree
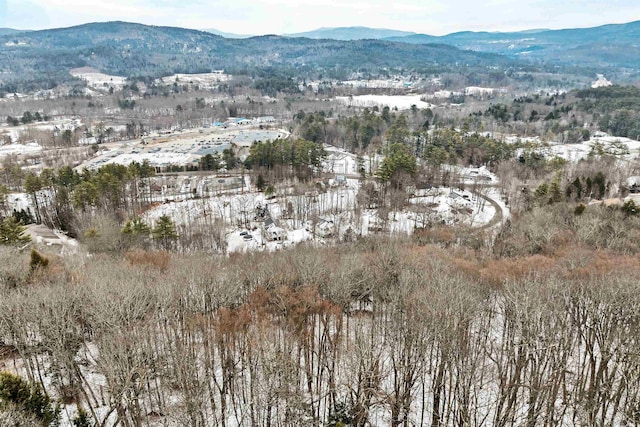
x=399, y=158
x=33, y=184
x=165, y=232
x=12, y=232
x=29, y=398
x=260, y=183
x=341, y=416
x=137, y=231
x=82, y=419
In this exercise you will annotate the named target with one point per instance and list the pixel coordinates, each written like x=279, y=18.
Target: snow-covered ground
x=601, y=82
x=480, y=91
x=319, y=216
x=619, y=147
x=471, y=175
x=204, y=80
x=180, y=149
x=600, y=143
x=401, y=102
x=19, y=202
x=513, y=139
x=42, y=235
x=28, y=148
x=442, y=94
x=378, y=83
x=15, y=132
x=98, y=80
x=342, y=162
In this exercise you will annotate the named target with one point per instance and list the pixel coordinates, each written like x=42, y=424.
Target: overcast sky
x=435, y=17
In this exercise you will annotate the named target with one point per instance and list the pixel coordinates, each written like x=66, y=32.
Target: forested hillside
x=606, y=46
x=137, y=50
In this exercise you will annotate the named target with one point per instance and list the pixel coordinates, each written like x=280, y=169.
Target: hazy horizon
x=435, y=17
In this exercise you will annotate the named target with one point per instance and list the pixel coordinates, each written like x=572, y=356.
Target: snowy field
x=599, y=144
x=378, y=84
x=624, y=148
x=98, y=80
x=481, y=91
x=204, y=80
x=28, y=148
x=401, y=102
x=601, y=82
x=59, y=124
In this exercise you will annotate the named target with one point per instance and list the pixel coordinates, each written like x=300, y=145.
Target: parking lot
x=180, y=148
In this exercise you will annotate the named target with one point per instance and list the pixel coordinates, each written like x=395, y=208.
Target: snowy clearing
x=401, y=102
x=204, y=80
x=28, y=148
x=98, y=80
x=600, y=145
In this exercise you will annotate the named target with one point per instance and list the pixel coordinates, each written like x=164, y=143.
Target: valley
x=347, y=227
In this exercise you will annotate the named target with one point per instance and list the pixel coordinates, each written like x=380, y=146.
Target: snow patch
x=401, y=102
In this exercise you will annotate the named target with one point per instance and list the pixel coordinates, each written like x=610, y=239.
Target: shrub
x=27, y=398
x=157, y=259
x=82, y=419
x=37, y=261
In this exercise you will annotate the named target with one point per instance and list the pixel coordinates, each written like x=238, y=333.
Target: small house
x=276, y=234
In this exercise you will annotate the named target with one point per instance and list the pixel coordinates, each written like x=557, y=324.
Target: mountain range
x=9, y=31
x=128, y=49
x=612, y=45
x=227, y=35
x=606, y=45
x=351, y=33
x=45, y=57
x=335, y=33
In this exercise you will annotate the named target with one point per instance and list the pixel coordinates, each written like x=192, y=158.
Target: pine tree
x=12, y=232
x=82, y=419
x=165, y=231
x=137, y=231
x=33, y=184
x=399, y=157
x=29, y=398
x=260, y=183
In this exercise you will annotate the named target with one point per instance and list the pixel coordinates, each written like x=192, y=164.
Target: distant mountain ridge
x=227, y=35
x=45, y=57
x=605, y=45
x=9, y=31
x=351, y=33
x=129, y=49
x=611, y=45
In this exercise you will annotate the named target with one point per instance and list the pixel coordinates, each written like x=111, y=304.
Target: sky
x=256, y=17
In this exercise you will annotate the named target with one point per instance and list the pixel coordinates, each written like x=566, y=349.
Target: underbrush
x=557, y=228
x=298, y=336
